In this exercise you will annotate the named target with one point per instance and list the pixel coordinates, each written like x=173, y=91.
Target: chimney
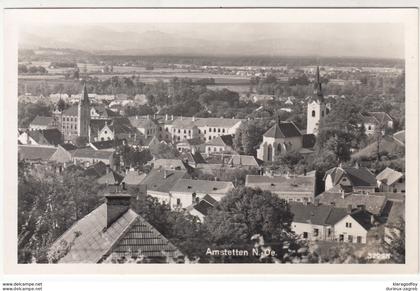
x=166, y=117
x=165, y=174
x=197, y=200
x=116, y=205
x=349, y=208
x=193, y=118
x=172, y=117
x=193, y=197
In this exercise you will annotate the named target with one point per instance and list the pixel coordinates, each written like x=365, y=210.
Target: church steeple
x=318, y=86
x=84, y=98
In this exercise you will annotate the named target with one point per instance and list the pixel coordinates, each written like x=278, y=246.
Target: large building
x=317, y=108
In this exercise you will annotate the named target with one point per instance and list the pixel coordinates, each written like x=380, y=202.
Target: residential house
x=186, y=191
x=113, y=232
x=210, y=128
x=350, y=179
x=100, y=111
x=201, y=207
x=280, y=138
x=374, y=120
x=354, y=227
x=219, y=144
x=390, y=180
x=50, y=137
x=191, y=145
x=88, y=156
x=375, y=204
x=63, y=154
x=192, y=159
x=184, y=128
x=243, y=161
x=168, y=164
x=148, y=127
x=394, y=145
x=159, y=182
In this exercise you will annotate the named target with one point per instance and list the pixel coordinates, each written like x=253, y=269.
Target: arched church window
x=313, y=113
x=279, y=148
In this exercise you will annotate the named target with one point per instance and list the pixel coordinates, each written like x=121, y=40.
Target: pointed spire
x=84, y=98
x=318, y=86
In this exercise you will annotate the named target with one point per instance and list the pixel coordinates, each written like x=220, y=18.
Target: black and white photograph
x=212, y=141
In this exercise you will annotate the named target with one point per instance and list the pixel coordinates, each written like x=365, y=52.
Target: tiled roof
x=35, y=152
x=133, y=178
x=283, y=130
x=91, y=153
x=143, y=237
x=373, y=203
x=68, y=146
x=141, y=122
x=50, y=136
x=71, y=111
x=155, y=180
x=387, y=144
x=221, y=140
x=358, y=176
x=389, y=176
x=202, y=186
x=203, y=207
x=243, y=160
x=110, y=178
x=363, y=218
x=209, y=199
x=318, y=215
x=106, y=144
x=42, y=120
x=194, y=158
x=93, y=241
x=296, y=184
x=169, y=164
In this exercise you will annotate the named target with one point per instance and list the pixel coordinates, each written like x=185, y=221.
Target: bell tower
x=317, y=109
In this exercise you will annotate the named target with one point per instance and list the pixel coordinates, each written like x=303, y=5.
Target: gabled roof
x=318, y=215
x=50, y=136
x=103, y=111
x=397, y=213
x=202, y=186
x=221, y=140
x=374, y=203
x=162, y=180
x=243, y=160
x=209, y=199
x=42, y=120
x=296, y=184
x=203, y=207
x=134, y=178
x=91, y=153
x=141, y=122
x=381, y=117
x=283, y=130
x=169, y=164
x=35, y=152
x=193, y=158
x=363, y=218
x=92, y=241
x=358, y=177
x=389, y=176
x=387, y=144
x=400, y=136
x=71, y=111
x=110, y=178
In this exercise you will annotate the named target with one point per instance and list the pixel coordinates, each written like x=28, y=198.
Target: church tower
x=83, y=114
x=317, y=109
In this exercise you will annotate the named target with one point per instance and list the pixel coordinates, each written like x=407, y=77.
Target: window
x=305, y=235
x=105, y=131
x=189, y=132
x=209, y=129
x=329, y=232
x=348, y=224
x=223, y=130
x=178, y=201
x=350, y=238
x=185, y=131
x=209, y=137
x=204, y=131
x=369, y=127
x=316, y=232
x=179, y=131
x=313, y=113
x=359, y=239
x=218, y=130
x=341, y=237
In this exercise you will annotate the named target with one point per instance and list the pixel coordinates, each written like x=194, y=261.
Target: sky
x=381, y=40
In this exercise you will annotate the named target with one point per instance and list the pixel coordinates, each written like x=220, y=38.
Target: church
x=285, y=137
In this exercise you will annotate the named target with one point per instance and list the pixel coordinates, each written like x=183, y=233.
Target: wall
x=355, y=230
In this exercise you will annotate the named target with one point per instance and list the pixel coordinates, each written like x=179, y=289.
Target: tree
x=249, y=135
x=246, y=212
x=395, y=242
